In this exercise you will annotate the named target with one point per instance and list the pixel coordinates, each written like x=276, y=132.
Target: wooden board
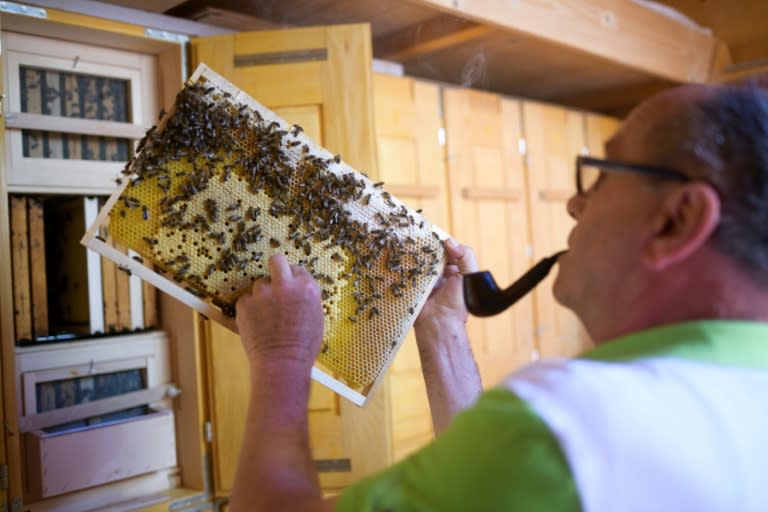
x=109, y=292
x=490, y=213
x=412, y=164
x=22, y=293
x=554, y=137
x=37, y=268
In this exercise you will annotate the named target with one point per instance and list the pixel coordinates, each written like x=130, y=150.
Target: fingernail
x=452, y=242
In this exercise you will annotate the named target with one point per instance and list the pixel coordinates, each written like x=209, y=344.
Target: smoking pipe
x=483, y=297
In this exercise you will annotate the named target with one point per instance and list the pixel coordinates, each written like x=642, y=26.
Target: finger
x=461, y=255
x=451, y=269
x=279, y=268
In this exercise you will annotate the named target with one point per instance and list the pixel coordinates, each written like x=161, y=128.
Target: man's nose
x=575, y=205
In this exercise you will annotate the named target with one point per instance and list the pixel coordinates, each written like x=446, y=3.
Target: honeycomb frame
x=208, y=225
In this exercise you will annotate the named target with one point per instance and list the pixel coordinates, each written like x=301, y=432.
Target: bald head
x=717, y=134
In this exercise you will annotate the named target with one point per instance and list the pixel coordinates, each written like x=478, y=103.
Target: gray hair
x=722, y=138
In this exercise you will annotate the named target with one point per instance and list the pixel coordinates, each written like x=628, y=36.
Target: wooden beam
x=25, y=120
x=430, y=36
x=616, y=101
x=626, y=33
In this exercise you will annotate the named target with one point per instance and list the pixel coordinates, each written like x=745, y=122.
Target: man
x=667, y=268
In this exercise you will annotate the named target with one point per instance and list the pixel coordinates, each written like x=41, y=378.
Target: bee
x=296, y=130
x=325, y=348
x=337, y=159
x=352, y=318
x=274, y=243
x=124, y=269
x=378, y=184
x=366, y=199
x=144, y=212
x=138, y=258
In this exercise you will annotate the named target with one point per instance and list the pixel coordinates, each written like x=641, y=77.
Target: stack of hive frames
x=222, y=183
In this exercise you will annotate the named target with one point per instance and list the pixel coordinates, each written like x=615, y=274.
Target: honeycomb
x=222, y=183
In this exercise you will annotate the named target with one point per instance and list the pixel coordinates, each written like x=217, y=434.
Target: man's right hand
x=446, y=302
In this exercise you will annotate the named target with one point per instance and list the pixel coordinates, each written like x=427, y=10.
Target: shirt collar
x=724, y=342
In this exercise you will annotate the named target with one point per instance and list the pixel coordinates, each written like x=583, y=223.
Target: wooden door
x=489, y=213
x=319, y=78
x=412, y=165
x=554, y=136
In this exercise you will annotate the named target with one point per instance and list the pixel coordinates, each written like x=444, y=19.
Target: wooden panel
x=22, y=303
x=149, y=296
x=37, y=268
x=555, y=136
x=103, y=454
x=22, y=120
x=410, y=157
x=123, y=293
x=109, y=292
x=330, y=98
x=483, y=131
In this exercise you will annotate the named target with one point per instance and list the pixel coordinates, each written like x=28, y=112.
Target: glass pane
x=67, y=392
x=44, y=144
x=59, y=93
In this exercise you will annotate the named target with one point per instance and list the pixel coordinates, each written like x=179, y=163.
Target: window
x=74, y=113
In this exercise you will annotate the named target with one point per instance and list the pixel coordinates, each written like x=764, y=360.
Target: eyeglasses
x=589, y=170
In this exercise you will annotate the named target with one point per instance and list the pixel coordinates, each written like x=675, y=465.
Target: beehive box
x=222, y=183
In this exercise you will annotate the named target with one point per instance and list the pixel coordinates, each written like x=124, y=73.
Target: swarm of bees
x=221, y=185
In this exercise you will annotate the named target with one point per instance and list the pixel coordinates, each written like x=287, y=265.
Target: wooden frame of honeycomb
x=222, y=183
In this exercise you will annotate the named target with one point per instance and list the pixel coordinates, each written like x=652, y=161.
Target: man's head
x=642, y=242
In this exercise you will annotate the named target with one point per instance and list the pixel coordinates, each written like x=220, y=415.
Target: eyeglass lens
x=588, y=176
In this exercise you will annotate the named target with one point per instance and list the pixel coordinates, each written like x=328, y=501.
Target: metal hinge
x=441, y=136
x=3, y=476
x=164, y=35
x=522, y=146
x=208, y=431
x=24, y=10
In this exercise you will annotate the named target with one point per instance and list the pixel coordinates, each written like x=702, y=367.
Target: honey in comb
x=219, y=186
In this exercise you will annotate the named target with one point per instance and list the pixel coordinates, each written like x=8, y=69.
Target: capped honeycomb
x=222, y=183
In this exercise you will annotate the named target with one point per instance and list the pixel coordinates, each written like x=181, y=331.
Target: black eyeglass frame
x=615, y=165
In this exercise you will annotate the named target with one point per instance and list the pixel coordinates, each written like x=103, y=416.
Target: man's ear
x=684, y=222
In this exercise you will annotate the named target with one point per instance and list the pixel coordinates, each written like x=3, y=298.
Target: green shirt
x=499, y=455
